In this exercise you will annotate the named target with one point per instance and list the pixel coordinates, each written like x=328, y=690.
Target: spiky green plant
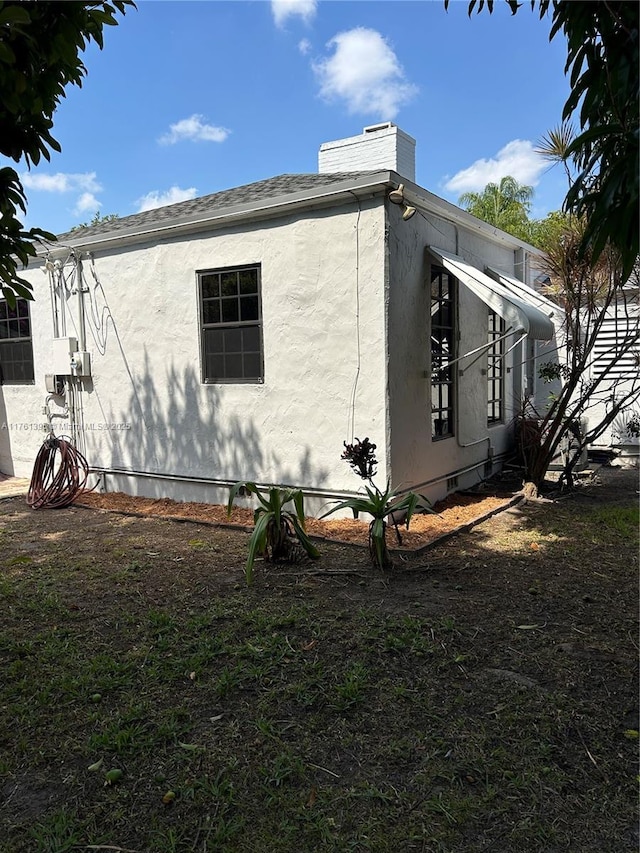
x=380, y=505
x=361, y=456
x=276, y=529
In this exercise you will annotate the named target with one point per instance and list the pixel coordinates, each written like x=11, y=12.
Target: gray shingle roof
x=281, y=185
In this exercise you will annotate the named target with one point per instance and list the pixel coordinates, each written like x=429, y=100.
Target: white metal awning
x=519, y=288
x=520, y=314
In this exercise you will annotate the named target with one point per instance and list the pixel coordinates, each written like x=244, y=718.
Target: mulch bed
x=456, y=512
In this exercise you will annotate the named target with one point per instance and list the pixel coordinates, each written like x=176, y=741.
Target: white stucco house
x=247, y=334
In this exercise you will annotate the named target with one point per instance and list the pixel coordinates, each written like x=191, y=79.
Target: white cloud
x=195, y=130
x=518, y=159
x=304, y=46
x=160, y=199
x=61, y=182
x=87, y=202
x=365, y=73
x=283, y=9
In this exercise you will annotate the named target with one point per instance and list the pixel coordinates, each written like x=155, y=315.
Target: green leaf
x=189, y=747
x=306, y=543
x=11, y=15
x=355, y=504
x=113, y=776
x=257, y=544
x=298, y=502
x=235, y=489
x=377, y=528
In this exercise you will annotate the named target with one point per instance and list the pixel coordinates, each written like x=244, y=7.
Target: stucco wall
x=324, y=356
x=415, y=459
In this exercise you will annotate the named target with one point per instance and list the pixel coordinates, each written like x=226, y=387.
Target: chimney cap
x=383, y=125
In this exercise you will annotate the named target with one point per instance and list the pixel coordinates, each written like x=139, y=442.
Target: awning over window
x=517, y=311
x=519, y=288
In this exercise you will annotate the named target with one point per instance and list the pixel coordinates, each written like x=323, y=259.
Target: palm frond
x=555, y=145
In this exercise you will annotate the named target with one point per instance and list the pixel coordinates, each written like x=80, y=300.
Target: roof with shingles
x=276, y=187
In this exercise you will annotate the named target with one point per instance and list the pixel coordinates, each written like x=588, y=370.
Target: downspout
x=82, y=333
x=61, y=304
x=55, y=322
x=465, y=470
x=469, y=443
x=485, y=437
x=76, y=381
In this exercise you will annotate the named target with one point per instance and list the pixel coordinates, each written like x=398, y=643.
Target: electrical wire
x=354, y=391
x=59, y=474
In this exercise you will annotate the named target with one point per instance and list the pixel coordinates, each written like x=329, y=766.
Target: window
x=495, y=369
x=442, y=352
x=231, y=325
x=16, y=352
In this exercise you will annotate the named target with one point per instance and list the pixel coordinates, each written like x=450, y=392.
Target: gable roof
x=245, y=196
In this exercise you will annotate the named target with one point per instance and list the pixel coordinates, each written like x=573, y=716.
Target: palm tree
x=556, y=145
x=505, y=205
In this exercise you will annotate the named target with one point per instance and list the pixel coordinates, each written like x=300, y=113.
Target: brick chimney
x=379, y=146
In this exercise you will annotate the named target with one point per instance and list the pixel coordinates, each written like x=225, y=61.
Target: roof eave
x=418, y=197
x=369, y=184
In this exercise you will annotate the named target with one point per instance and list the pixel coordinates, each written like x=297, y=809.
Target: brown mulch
x=455, y=512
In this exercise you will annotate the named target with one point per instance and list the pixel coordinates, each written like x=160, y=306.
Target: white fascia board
x=367, y=186
x=427, y=202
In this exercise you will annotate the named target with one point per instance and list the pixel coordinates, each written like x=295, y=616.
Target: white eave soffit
x=520, y=314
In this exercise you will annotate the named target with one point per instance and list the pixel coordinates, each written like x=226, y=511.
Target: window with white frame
x=16, y=351
x=495, y=369
x=231, y=324
x=442, y=352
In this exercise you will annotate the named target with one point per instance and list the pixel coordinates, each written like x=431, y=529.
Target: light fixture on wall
x=397, y=197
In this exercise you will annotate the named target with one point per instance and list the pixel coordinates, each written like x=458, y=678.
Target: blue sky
x=188, y=98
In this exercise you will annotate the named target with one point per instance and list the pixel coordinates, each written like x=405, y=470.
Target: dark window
x=495, y=369
x=16, y=352
x=231, y=324
x=442, y=352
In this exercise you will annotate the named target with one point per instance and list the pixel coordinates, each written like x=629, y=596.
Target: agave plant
x=277, y=531
x=381, y=505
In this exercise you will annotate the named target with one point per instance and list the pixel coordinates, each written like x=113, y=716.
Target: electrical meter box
x=63, y=353
x=81, y=363
x=54, y=384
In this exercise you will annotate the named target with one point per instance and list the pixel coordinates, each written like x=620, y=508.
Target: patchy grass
x=480, y=700
x=623, y=520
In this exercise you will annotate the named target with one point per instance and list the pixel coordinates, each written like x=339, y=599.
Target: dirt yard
x=481, y=696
